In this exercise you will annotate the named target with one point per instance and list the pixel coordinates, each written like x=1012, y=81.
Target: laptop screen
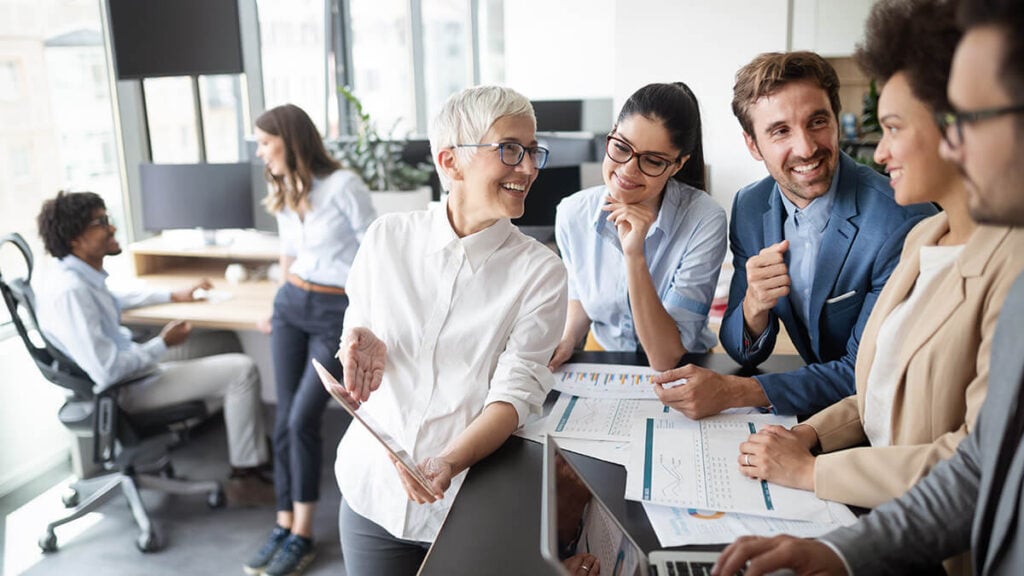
x=576, y=524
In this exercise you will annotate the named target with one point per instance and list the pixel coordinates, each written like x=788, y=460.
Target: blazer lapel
x=835, y=244
x=772, y=225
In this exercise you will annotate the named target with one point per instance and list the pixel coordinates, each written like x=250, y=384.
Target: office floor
x=198, y=539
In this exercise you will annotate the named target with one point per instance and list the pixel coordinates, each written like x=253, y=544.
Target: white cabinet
x=829, y=27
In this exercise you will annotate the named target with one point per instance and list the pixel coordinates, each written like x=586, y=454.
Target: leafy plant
x=375, y=157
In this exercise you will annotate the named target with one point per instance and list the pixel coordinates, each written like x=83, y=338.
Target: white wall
x=702, y=44
x=32, y=439
x=560, y=49
x=609, y=48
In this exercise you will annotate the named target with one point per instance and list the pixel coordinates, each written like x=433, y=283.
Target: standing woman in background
x=322, y=214
x=644, y=250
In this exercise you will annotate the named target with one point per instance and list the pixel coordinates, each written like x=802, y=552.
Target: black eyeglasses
x=650, y=163
x=512, y=153
x=102, y=222
x=948, y=120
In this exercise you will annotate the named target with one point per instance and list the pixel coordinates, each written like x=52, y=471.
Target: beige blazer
x=943, y=372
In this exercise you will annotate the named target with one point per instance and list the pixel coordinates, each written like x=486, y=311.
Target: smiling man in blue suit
x=812, y=246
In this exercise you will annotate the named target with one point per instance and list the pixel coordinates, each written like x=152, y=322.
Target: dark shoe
x=249, y=488
x=292, y=558
x=259, y=561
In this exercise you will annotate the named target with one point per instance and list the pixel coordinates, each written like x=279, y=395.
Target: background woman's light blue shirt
x=685, y=248
x=325, y=242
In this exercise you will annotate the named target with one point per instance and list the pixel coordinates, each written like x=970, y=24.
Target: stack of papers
x=685, y=472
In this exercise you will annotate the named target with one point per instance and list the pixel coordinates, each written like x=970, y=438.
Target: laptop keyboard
x=690, y=568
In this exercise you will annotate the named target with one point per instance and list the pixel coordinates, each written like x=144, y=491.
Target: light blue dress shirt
x=325, y=242
x=82, y=317
x=685, y=248
x=804, y=229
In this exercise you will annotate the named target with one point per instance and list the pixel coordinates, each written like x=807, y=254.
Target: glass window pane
x=292, y=49
x=382, y=53
x=171, y=116
x=447, y=50
x=222, y=117
x=56, y=116
x=491, y=50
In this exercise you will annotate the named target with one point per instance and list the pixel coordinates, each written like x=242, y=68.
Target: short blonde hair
x=466, y=116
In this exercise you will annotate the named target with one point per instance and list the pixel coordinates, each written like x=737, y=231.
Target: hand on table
x=705, y=392
x=755, y=556
x=780, y=456
x=362, y=357
x=582, y=565
x=188, y=294
x=561, y=354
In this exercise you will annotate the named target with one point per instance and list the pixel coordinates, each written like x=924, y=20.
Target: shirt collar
x=817, y=213
x=478, y=247
x=94, y=277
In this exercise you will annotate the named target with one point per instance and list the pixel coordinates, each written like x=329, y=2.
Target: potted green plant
x=375, y=157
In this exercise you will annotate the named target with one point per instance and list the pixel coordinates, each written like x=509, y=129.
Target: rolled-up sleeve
x=522, y=377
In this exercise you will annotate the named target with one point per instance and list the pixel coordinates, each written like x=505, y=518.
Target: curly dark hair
x=916, y=37
x=65, y=218
x=1008, y=16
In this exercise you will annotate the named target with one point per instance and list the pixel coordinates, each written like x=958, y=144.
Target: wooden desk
x=493, y=526
x=163, y=263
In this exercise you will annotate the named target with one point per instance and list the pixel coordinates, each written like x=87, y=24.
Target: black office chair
x=132, y=446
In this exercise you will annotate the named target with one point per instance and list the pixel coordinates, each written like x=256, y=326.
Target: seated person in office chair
x=81, y=316
x=923, y=365
x=812, y=244
x=453, y=316
x=645, y=249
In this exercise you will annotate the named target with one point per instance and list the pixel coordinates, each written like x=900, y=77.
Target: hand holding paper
x=362, y=356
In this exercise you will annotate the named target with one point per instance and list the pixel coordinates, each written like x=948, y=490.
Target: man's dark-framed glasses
x=101, y=222
x=512, y=153
x=650, y=163
x=951, y=124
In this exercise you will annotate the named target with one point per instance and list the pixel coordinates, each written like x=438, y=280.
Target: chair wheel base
x=216, y=498
x=148, y=542
x=70, y=498
x=48, y=542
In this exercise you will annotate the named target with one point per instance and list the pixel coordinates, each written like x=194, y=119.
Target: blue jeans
x=305, y=325
x=370, y=550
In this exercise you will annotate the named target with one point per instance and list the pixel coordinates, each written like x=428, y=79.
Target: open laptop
x=570, y=507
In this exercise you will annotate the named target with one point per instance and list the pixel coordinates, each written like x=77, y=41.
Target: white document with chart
x=609, y=419
x=694, y=464
x=605, y=380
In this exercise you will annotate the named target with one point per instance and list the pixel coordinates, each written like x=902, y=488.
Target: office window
x=382, y=74
x=171, y=119
x=56, y=116
x=292, y=49
x=10, y=81
x=447, y=50
x=220, y=98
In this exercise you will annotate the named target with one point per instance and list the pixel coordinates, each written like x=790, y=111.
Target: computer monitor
x=209, y=196
x=153, y=38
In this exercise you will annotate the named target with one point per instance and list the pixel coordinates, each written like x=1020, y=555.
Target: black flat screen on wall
x=175, y=37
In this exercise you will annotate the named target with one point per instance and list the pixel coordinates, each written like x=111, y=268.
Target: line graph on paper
x=602, y=418
x=606, y=381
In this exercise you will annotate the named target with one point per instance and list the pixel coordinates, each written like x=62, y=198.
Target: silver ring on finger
x=746, y=459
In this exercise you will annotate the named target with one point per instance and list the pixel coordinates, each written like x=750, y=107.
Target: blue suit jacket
x=859, y=249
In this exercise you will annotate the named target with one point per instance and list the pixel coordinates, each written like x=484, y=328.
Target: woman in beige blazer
x=922, y=366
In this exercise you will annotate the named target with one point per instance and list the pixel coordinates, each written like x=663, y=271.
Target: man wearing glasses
x=81, y=316
x=972, y=501
x=812, y=246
